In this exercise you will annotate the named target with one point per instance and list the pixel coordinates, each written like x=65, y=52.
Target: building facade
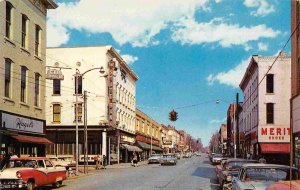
x=223, y=138
x=148, y=134
x=295, y=83
x=110, y=102
x=266, y=107
x=22, y=76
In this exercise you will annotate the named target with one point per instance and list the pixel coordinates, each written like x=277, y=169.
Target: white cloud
x=232, y=77
x=217, y=121
x=56, y=35
x=129, y=59
x=126, y=21
x=218, y=1
x=263, y=7
x=262, y=46
x=191, y=32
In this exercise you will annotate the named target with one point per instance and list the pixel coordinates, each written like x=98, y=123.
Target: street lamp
x=77, y=75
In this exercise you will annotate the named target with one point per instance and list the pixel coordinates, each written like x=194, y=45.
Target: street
x=189, y=173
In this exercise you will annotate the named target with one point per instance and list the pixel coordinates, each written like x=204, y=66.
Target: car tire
x=30, y=185
x=57, y=184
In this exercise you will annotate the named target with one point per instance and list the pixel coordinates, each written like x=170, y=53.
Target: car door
x=41, y=178
x=51, y=172
x=237, y=181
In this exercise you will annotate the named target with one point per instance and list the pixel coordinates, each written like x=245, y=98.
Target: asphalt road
x=189, y=174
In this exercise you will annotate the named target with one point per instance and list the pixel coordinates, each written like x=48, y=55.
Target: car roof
x=261, y=165
x=30, y=158
x=239, y=159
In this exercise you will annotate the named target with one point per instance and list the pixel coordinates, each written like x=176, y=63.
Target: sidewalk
x=125, y=165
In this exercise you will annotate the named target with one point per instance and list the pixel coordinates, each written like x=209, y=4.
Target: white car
x=260, y=176
x=155, y=158
x=65, y=161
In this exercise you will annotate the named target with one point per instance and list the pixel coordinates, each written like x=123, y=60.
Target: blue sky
x=185, y=53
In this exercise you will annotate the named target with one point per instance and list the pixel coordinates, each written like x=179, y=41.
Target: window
x=56, y=113
x=23, y=83
x=270, y=113
x=56, y=86
x=24, y=30
x=37, y=39
x=7, y=77
x=79, y=114
x=37, y=89
x=79, y=87
x=270, y=83
x=8, y=19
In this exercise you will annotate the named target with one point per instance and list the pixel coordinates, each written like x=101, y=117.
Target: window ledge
x=38, y=58
x=270, y=93
x=56, y=94
x=78, y=121
x=24, y=104
x=6, y=99
x=38, y=108
x=55, y=122
x=9, y=41
x=25, y=50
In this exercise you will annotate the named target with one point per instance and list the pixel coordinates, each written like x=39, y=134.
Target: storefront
x=22, y=136
x=147, y=144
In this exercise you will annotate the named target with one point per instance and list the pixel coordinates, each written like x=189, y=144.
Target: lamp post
x=77, y=75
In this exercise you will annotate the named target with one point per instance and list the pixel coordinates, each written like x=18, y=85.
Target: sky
x=187, y=54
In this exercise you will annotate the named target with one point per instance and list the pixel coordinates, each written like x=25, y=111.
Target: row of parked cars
x=244, y=174
x=168, y=159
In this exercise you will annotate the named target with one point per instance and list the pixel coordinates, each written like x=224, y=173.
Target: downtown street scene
x=138, y=94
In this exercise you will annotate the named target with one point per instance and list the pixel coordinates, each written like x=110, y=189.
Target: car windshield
x=217, y=155
x=268, y=174
x=167, y=156
x=236, y=164
x=22, y=163
x=155, y=155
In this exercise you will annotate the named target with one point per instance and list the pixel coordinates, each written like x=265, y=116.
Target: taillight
x=18, y=174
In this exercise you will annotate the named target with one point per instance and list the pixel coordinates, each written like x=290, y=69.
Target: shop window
x=270, y=113
x=56, y=113
x=7, y=85
x=37, y=89
x=23, y=83
x=8, y=29
x=56, y=86
x=270, y=83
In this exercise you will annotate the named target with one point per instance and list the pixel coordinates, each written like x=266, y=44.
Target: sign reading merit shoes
x=23, y=124
x=274, y=134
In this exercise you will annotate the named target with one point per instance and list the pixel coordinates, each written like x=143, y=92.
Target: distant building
x=223, y=138
x=22, y=76
x=266, y=106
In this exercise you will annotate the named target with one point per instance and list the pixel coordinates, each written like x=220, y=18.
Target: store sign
x=166, y=142
x=274, y=134
x=54, y=74
x=22, y=124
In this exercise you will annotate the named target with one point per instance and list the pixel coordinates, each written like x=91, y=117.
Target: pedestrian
x=248, y=156
x=134, y=159
x=99, y=161
x=96, y=161
x=104, y=162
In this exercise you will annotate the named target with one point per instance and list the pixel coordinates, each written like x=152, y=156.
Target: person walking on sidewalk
x=134, y=160
x=104, y=160
x=96, y=161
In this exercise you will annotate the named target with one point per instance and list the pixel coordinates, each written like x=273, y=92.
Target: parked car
x=65, y=161
x=198, y=154
x=187, y=155
x=216, y=159
x=168, y=159
x=230, y=168
x=155, y=158
x=210, y=156
x=31, y=172
x=260, y=176
x=178, y=155
x=285, y=185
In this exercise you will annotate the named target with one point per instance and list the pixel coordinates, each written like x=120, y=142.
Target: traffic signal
x=173, y=115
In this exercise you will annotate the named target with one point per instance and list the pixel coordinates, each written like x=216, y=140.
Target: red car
x=31, y=172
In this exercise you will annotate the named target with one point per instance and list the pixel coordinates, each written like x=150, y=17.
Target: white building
x=266, y=107
x=110, y=100
x=22, y=75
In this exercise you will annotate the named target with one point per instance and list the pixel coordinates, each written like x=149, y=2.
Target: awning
x=269, y=148
x=156, y=148
x=131, y=148
x=143, y=145
x=31, y=139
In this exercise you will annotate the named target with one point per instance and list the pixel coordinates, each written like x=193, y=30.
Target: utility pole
x=76, y=117
x=237, y=124
x=234, y=132
x=85, y=133
x=151, y=142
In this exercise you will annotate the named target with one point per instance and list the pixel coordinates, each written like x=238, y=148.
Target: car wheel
x=57, y=184
x=30, y=185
